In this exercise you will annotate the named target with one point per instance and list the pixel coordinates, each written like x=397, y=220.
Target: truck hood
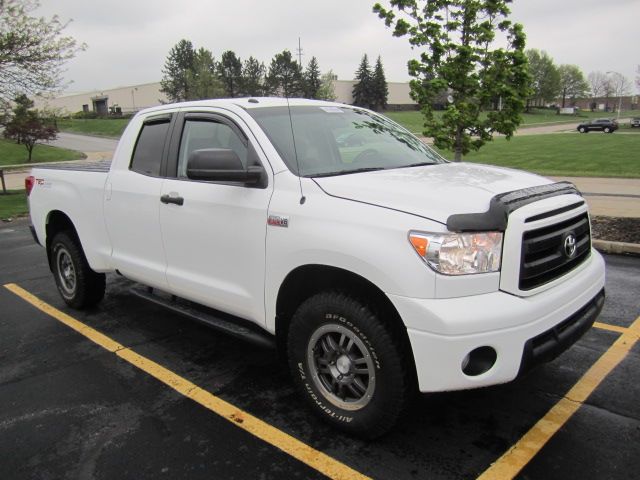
x=433, y=191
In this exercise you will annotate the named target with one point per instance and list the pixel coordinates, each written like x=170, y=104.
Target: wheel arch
x=307, y=280
x=58, y=221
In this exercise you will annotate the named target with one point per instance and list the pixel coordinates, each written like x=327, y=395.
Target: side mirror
x=221, y=165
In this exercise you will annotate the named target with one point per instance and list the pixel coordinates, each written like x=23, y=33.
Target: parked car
x=635, y=122
x=605, y=125
x=378, y=269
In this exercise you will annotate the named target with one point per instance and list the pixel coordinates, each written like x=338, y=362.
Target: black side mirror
x=221, y=165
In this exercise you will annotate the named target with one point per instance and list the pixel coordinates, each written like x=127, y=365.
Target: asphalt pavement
x=71, y=409
x=84, y=143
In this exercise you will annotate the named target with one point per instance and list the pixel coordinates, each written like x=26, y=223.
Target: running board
x=217, y=320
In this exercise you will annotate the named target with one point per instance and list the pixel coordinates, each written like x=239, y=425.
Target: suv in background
x=635, y=122
x=603, y=124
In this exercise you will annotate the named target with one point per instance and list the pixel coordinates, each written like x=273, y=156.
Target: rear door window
x=147, y=155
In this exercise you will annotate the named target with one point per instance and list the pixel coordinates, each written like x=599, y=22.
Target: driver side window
x=200, y=134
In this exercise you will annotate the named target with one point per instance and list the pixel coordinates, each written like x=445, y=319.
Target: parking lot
x=129, y=390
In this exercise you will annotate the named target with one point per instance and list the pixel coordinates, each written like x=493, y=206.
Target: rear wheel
x=79, y=286
x=348, y=364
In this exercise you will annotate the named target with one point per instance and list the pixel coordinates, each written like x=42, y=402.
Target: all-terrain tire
x=79, y=286
x=366, y=405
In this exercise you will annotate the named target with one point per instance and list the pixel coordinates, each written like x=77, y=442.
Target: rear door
x=132, y=206
x=214, y=236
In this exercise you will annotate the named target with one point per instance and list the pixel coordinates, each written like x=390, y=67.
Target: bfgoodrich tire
x=348, y=364
x=79, y=286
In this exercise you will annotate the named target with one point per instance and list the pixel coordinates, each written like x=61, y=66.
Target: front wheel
x=607, y=130
x=582, y=130
x=79, y=286
x=348, y=364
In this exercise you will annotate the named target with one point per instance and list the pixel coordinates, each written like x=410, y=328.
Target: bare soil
x=616, y=229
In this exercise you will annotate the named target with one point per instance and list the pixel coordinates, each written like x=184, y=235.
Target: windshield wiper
x=420, y=164
x=345, y=172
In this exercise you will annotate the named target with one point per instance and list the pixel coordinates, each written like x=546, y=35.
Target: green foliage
x=202, y=79
x=27, y=126
x=230, y=71
x=545, y=78
x=572, y=82
x=253, y=73
x=285, y=76
x=175, y=74
x=312, y=81
x=362, y=88
x=459, y=58
x=33, y=50
x=379, y=88
x=326, y=90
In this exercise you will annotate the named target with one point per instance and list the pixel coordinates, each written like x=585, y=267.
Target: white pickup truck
x=374, y=265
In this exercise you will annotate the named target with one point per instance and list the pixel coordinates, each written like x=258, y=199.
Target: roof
x=246, y=103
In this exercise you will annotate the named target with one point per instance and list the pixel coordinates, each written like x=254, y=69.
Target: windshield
x=340, y=140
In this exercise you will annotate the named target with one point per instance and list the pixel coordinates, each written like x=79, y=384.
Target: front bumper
x=443, y=332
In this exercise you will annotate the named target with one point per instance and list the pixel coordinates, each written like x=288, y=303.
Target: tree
x=459, y=58
x=179, y=63
x=572, y=82
x=620, y=85
x=597, y=83
x=202, y=79
x=379, y=88
x=326, y=90
x=230, y=71
x=312, y=80
x=545, y=78
x=285, y=76
x=362, y=88
x=27, y=126
x=253, y=77
x=33, y=50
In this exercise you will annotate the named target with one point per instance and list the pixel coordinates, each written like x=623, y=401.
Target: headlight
x=459, y=253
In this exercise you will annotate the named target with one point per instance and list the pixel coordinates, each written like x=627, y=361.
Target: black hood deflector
x=501, y=206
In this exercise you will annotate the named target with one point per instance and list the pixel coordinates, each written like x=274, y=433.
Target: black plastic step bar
x=219, y=321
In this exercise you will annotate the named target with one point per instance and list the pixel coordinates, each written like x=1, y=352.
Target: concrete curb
x=617, y=248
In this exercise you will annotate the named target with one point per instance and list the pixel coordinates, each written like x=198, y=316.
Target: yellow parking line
x=317, y=460
x=515, y=459
x=613, y=328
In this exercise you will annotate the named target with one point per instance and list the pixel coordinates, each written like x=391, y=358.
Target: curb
x=617, y=248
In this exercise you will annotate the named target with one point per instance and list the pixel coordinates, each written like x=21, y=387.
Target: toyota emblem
x=570, y=245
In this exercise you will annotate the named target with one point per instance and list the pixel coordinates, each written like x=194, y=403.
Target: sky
x=128, y=41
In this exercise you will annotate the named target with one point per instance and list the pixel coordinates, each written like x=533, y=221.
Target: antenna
x=299, y=50
x=295, y=153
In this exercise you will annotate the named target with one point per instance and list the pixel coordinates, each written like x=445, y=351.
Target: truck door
x=214, y=233
x=132, y=205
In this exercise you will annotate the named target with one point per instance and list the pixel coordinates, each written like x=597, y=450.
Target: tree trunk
x=30, y=150
x=458, y=146
x=564, y=96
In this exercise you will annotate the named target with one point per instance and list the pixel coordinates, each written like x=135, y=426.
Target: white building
x=136, y=97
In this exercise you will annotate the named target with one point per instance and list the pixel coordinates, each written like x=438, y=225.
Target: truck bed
x=101, y=166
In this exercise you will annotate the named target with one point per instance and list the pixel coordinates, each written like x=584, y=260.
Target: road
x=70, y=409
x=84, y=143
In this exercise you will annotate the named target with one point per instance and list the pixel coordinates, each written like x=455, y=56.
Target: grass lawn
x=565, y=154
x=412, y=120
x=105, y=127
x=13, y=154
x=13, y=203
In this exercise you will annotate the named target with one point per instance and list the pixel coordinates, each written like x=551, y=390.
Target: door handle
x=169, y=199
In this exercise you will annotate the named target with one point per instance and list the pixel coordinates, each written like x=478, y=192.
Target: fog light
x=479, y=361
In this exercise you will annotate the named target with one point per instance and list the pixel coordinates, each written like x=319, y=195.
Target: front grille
x=543, y=256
